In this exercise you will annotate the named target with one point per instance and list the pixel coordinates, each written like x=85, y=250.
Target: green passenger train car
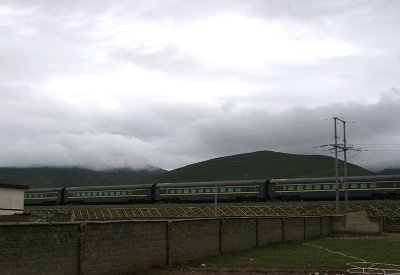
x=44, y=196
x=361, y=187
x=245, y=190
x=108, y=194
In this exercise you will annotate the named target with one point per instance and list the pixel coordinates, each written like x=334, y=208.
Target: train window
x=112, y=193
x=200, y=190
x=179, y=191
x=317, y=187
x=230, y=189
x=172, y=191
x=185, y=191
x=353, y=186
x=238, y=189
x=327, y=186
x=222, y=189
x=300, y=187
x=208, y=190
x=290, y=187
x=106, y=193
x=193, y=190
x=308, y=187
x=363, y=185
x=373, y=185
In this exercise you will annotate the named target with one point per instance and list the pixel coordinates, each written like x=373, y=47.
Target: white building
x=12, y=198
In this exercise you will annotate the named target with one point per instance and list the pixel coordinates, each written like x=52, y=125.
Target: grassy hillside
x=53, y=177
x=390, y=171
x=258, y=165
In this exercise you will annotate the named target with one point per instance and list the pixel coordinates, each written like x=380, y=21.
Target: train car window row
x=106, y=193
x=38, y=195
x=205, y=190
x=327, y=186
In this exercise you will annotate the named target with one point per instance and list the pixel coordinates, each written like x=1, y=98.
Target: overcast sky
x=108, y=84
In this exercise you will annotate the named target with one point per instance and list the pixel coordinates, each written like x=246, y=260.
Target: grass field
x=331, y=255
x=382, y=249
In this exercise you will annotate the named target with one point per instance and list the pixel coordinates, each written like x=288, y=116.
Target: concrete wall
x=122, y=247
x=357, y=222
x=193, y=240
x=270, y=231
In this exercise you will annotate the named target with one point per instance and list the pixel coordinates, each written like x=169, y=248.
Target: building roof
x=13, y=186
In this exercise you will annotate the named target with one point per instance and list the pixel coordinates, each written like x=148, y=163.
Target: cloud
x=106, y=84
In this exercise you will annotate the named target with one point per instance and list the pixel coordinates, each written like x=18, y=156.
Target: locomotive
x=359, y=187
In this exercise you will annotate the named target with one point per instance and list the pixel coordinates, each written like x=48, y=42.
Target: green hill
x=62, y=176
x=390, y=171
x=258, y=165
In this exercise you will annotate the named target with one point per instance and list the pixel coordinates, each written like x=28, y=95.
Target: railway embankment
x=109, y=247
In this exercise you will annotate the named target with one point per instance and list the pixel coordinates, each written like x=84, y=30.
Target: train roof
x=102, y=187
x=210, y=183
x=46, y=189
x=333, y=179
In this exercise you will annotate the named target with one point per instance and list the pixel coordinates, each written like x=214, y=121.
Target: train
x=295, y=189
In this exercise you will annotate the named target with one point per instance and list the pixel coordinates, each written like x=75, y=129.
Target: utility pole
x=336, y=168
x=346, y=193
x=344, y=148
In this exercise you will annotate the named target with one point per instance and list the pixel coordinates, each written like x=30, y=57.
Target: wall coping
x=149, y=220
